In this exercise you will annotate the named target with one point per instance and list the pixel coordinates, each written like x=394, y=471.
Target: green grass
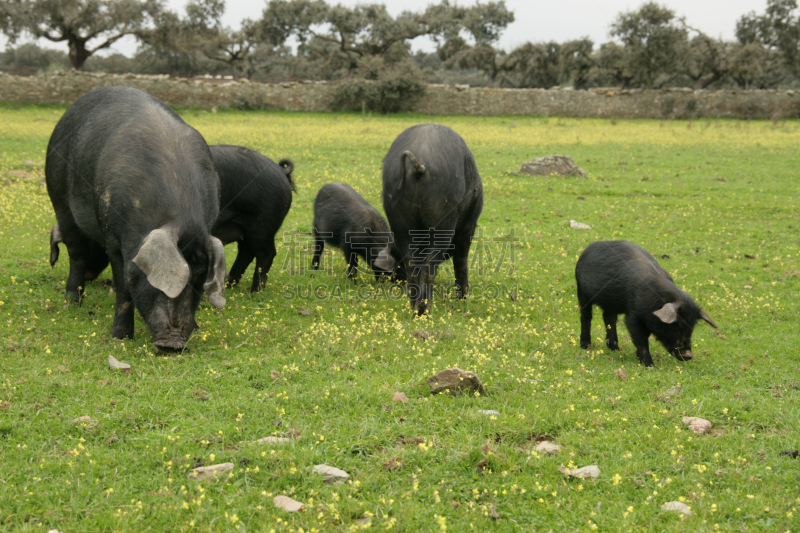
x=720, y=198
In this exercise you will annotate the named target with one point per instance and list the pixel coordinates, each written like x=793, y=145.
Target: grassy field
x=318, y=359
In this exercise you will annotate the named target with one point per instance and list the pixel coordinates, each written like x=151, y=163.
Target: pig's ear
x=668, y=314
x=215, y=282
x=162, y=262
x=55, y=238
x=707, y=318
x=385, y=261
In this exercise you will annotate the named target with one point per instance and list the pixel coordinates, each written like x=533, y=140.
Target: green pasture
x=318, y=359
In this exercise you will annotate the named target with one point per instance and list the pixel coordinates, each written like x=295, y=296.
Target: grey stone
x=331, y=473
x=116, y=365
x=287, y=504
x=210, y=472
x=488, y=412
x=273, y=440
x=547, y=447
x=677, y=506
x=455, y=380
x=583, y=473
x=672, y=391
x=560, y=165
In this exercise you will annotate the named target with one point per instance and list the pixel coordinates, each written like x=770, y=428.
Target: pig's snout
x=171, y=340
x=683, y=354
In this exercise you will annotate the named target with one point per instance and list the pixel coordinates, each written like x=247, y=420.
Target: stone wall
x=65, y=88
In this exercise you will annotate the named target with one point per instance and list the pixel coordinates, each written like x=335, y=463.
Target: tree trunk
x=705, y=81
x=78, y=54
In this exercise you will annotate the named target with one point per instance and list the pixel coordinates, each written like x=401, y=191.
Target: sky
x=536, y=20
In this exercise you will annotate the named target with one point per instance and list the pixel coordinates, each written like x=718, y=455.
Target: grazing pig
x=256, y=196
x=622, y=278
x=128, y=178
x=433, y=196
x=344, y=219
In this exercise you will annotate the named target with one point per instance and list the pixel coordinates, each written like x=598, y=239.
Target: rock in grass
x=696, y=424
x=547, y=447
x=583, y=473
x=560, y=165
x=287, y=504
x=210, y=472
x=125, y=368
x=400, y=397
x=455, y=380
x=677, y=506
x=578, y=225
x=331, y=473
x=488, y=412
x=273, y=440
x=84, y=418
x=673, y=391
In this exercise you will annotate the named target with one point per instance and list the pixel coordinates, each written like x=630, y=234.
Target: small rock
x=583, y=473
x=399, y=397
x=673, y=391
x=366, y=521
x=331, y=473
x=287, y=504
x=698, y=425
x=84, y=418
x=125, y=368
x=748, y=287
x=547, y=447
x=303, y=311
x=455, y=380
x=210, y=472
x=677, y=506
x=488, y=412
x=273, y=440
x=30, y=163
x=578, y=225
x=560, y=165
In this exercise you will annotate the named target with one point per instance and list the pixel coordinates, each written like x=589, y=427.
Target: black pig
x=622, y=278
x=128, y=178
x=433, y=196
x=343, y=218
x=256, y=196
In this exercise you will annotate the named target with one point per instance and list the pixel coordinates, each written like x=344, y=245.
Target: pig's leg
x=461, y=265
x=97, y=262
x=122, y=328
x=639, y=336
x=586, y=321
x=610, y=320
x=319, y=247
x=244, y=257
x=264, y=258
x=352, y=263
x=79, y=248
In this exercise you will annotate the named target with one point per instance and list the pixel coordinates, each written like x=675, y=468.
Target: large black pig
x=433, y=196
x=256, y=196
x=343, y=218
x=128, y=177
x=622, y=278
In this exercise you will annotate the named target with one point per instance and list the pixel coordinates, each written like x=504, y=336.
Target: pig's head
x=382, y=261
x=420, y=285
x=673, y=324
x=167, y=285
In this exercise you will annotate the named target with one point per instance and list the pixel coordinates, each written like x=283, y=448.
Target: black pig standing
x=622, y=278
x=256, y=196
x=128, y=177
x=433, y=196
x=343, y=218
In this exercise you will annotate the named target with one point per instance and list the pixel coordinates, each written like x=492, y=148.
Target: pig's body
x=256, y=196
x=622, y=278
x=129, y=178
x=433, y=196
x=343, y=218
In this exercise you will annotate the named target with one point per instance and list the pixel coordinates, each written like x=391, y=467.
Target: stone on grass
x=578, y=225
x=400, y=397
x=696, y=424
x=331, y=473
x=673, y=391
x=210, y=472
x=273, y=440
x=84, y=418
x=455, y=380
x=547, y=447
x=488, y=412
x=116, y=365
x=677, y=506
x=583, y=473
x=560, y=165
x=287, y=504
